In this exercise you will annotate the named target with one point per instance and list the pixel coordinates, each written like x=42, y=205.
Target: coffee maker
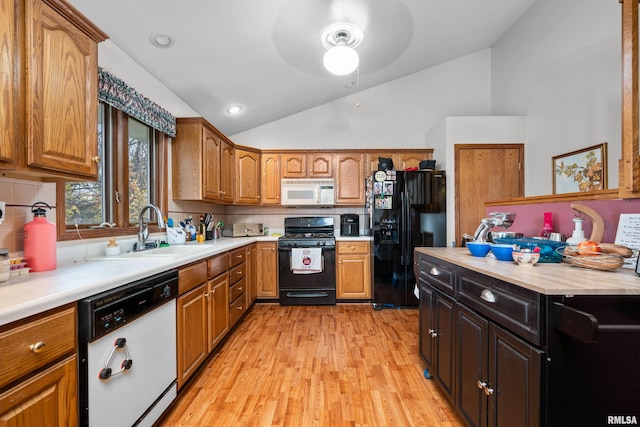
x=349, y=225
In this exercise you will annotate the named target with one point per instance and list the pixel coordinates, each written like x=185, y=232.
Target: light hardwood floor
x=343, y=365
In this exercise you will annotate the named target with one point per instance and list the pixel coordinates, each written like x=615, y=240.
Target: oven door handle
x=307, y=294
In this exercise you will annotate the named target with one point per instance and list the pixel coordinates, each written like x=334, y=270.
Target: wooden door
x=350, y=179
x=319, y=165
x=61, y=93
x=218, y=309
x=211, y=146
x=484, y=172
x=270, y=179
x=247, y=177
x=294, y=165
x=267, y=270
x=192, y=332
x=8, y=51
x=227, y=171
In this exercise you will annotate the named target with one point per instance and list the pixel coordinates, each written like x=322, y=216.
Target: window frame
x=118, y=129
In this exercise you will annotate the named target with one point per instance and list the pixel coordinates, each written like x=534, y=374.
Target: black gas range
x=307, y=261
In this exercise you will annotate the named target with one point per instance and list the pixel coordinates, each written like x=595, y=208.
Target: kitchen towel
x=306, y=260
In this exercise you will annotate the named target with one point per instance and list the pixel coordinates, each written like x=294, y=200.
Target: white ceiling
x=266, y=54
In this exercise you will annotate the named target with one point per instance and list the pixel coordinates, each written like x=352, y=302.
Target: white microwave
x=307, y=192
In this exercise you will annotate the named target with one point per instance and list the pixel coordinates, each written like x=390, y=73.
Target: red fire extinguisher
x=40, y=240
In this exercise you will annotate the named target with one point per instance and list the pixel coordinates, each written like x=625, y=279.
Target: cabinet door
x=267, y=269
x=247, y=177
x=294, y=165
x=472, y=335
x=250, y=262
x=192, y=319
x=319, y=165
x=373, y=159
x=61, y=93
x=426, y=325
x=211, y=147
x=49, y=398
x=227, y=171
x=443, y=351
x=353, y=270
x=409, y=160
x=218, y=312
x=350, y=179
x=270, y=179
x=514, y=376
x=8, y=51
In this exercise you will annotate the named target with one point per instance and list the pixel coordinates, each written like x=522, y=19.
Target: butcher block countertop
x=545, y=278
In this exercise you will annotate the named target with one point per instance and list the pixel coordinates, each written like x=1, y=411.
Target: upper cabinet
x=402, y=159
x=202, y=162
x=49, y=108
x=270, y=178
x=306, y=165
x=247, y=190
x=350, y=179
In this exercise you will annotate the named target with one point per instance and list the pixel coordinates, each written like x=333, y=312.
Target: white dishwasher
x=127, y=349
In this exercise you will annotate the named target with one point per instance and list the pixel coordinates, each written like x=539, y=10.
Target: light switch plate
x=2, y=211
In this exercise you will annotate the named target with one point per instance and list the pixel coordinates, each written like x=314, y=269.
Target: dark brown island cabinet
x=507, y=356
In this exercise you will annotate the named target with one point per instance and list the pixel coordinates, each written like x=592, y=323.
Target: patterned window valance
x=118, y=94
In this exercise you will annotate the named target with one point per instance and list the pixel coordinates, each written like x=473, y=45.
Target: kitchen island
x=548, y=345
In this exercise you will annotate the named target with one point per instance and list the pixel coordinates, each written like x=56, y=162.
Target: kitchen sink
x=166, y=252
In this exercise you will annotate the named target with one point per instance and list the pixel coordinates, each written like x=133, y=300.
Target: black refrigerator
x=408, y=210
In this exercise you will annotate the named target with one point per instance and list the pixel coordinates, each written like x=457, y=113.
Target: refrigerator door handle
x=405, y=232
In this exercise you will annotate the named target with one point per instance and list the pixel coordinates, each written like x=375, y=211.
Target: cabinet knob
x=488, y=296
x=434, y=271
x=96, y=159
x=239, y=308
x=240, y=289
x=433, y=333
x=37, y=347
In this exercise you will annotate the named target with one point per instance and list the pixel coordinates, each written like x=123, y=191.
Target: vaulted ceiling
x=266, y=55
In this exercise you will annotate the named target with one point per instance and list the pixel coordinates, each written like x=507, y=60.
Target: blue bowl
x=502, y=252
x=478, y=249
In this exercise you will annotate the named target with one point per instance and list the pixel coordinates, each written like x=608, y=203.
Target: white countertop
x=24, y=296
x=545, y=278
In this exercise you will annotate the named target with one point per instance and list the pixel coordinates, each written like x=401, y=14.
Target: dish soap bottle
x=578, y=233
x=112, y=248
x=547, y=228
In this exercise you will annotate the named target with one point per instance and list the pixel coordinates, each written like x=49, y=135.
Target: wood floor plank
x=345, y=365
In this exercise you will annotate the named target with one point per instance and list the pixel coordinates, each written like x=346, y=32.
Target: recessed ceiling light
x=162, y=40
x=234, y=109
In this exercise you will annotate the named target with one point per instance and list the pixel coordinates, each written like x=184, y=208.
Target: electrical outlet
x=2, y=211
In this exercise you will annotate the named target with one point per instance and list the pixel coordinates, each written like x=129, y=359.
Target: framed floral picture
x=580, y=171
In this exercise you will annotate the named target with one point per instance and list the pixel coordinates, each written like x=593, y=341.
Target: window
x=130, y=176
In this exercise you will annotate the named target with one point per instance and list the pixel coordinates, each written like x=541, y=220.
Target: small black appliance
x=349, y=225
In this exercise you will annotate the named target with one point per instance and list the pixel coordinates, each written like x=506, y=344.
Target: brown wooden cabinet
x=218, y=309
x=270, y=179
x=402, y=159
x=350, y=179
x=237, y=285
x=192, y=320
x=267, y=270
x=50, y=64
x=319, y=165
x=294, y=165
x=250, y=261
x=203, y=162
x=40, y=383
x=353, y=278
x=307, y=165
x=247, y=191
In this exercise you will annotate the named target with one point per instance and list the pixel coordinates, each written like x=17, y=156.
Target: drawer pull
x=37, y=347
x=239, y=308
x=485, y=386
x=433, y=333
x=488, y=296
x=434, y=271
x=239, y=289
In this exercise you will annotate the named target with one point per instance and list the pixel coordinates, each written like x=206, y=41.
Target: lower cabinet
x=492, y=376
x=217, y=306
x=39, y=379
x=192, y=332
x=267, y=270
x=353, y=278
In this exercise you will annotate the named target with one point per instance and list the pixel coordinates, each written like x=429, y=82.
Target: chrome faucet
x=496, y=219
x=143, y=230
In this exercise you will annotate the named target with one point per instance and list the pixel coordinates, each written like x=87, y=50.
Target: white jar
x=5, y=268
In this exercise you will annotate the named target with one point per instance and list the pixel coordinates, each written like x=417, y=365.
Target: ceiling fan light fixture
x=340, y=39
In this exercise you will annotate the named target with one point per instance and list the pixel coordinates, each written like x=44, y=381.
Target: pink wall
x=529, y=217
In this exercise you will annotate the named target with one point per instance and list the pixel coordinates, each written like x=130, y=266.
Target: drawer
x=217, y=265
x=352, y=247
x=439, y=274
x=512, y=307
x=192, y=276
x=237, y=256
x=28, y=345
x=236, y=273
x=237, y=289
x=236, y=310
